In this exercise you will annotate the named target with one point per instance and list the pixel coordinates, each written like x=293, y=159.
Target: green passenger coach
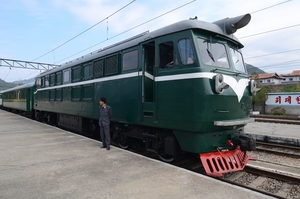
x=0, y=99
x=19, y=99
x=181, y=88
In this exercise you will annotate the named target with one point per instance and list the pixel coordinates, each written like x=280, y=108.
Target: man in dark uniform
x=104, y=123
x=167, y=59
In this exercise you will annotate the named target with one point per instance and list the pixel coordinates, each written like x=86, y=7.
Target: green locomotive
x=181, y=88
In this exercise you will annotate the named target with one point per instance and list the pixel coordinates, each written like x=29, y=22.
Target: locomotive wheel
x=123, y=145
x=166, y=158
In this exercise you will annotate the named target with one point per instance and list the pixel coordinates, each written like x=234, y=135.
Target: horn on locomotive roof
x=230, y=25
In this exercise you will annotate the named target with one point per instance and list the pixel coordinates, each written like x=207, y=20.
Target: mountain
x=252, y=69
x=5, y=85
x=20, y=82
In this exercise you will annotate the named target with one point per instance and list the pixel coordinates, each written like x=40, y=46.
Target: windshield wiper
x=210, y=55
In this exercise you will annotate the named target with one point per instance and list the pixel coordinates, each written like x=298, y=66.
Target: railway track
x=282, y=120
x=270, y=183
x=277, y=149
x=258, y=179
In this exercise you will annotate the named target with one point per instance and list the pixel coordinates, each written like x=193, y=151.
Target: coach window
x=21, y=94
x=47, y=81
x=66, y=76
x=166, y=55
x=130, y=60
x=38, y=83
x=43, y=82
x=186, y=51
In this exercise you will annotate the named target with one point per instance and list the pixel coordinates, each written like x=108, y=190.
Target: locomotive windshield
x=237, y=60
x=215, y=54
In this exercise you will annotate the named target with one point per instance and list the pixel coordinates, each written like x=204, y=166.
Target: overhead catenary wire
x=84, y=31
x=167, y=13
x=7, y=73
x=270, y=54
x=127, y=30
x=269, y=7
x=278, y=29
x=290, y=63
x=143, y=24
x=295, y=61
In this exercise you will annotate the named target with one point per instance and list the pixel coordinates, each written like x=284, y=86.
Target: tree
x=292, y=88
x=261, y=96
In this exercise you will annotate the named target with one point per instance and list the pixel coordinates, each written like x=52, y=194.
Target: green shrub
x=278, y=111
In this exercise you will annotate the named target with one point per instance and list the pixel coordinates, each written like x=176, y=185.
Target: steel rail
x=278, y=152
x=253, y=189
x=281, y=120
x=266, y=174
x=274, y=175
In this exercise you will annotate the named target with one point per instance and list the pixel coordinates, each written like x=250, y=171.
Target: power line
x=270, y=31
x=148, y=22
x=270, y=7
x=84, y=31
x=128, y=30
x=272, y=54
x=7, y=73
x=282, y=63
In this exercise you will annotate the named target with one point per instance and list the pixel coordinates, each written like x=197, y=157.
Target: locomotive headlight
x=220, y=85
x=253, y=87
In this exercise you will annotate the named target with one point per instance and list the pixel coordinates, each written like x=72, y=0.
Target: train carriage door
x=148, y=83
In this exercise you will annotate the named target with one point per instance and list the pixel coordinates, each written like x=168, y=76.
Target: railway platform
x=41, y=161
x=274, y=132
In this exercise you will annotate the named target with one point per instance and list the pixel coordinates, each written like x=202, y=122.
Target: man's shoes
x=108, y=148
x=103, y=147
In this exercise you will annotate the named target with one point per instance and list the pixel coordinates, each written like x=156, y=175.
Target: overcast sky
x=31, y=28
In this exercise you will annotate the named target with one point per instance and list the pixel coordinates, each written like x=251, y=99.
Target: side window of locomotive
x=166, y=55
x=76, y=74
x=87, y=70
x=66, y=76
x=186, y=51
x=237, y=60
x=213, y=54
x=111, y=65
x=130, y=60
